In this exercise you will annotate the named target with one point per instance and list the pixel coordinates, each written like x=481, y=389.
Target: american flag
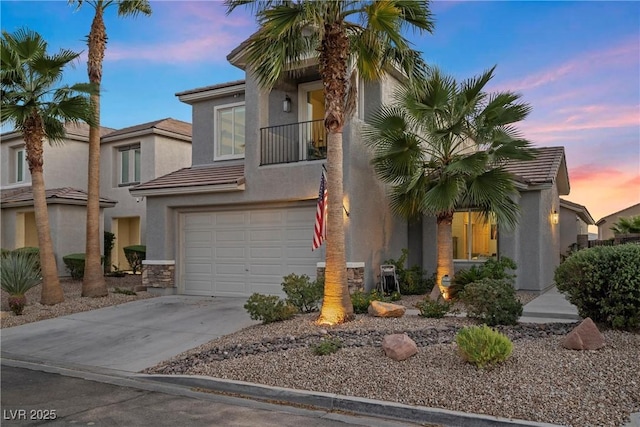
x=320, y=229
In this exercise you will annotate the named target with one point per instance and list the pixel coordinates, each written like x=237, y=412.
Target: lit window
x=129, y=160
x=229, y=132
x=473, y=236
x=20, y=165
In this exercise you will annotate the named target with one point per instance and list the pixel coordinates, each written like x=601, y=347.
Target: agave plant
x=19, y=272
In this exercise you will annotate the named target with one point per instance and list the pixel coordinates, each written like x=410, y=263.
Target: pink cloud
x=585, y=118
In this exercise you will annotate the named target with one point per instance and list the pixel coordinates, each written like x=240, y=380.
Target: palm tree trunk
x=51, y=290
x=93, y=283
x=336, y=306
x=445, y=252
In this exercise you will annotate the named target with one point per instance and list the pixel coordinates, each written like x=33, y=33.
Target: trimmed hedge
x=604, y=284
x=75, y=264
x=492, y=301
x=135, y=254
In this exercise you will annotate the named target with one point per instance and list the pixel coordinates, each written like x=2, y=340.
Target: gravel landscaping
x=540, y=382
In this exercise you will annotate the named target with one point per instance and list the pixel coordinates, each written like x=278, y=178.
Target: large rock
x=585, y=336
x=385, y=309
x=399, y=346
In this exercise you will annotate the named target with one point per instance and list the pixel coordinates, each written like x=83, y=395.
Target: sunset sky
x=576, y=63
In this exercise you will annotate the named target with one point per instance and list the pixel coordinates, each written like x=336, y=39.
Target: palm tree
x=442, y=147
x=38, y=109
x=294, y=30
x=627, y=225
x=93, y=283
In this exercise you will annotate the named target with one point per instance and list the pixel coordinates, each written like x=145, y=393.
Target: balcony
x=297, y=142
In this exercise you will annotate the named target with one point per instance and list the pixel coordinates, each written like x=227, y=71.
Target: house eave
x=56, y=201
x=200, y=189
x=145, y=132
x=190, y=98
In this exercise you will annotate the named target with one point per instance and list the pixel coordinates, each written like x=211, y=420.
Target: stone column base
x=355, y=275
x=158, y=276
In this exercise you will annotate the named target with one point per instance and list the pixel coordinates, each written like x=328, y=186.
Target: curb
x=335, y=402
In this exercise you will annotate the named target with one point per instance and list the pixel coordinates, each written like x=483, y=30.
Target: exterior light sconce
x=286, y=104
x=555, y=217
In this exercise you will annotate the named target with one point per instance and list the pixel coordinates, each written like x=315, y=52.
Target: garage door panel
x=246, y=251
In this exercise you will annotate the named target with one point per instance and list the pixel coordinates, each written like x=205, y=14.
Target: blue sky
x=576, y=63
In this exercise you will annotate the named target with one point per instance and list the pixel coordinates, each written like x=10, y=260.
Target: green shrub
x=361, y=300
x=492, y=301
x=19, y=272
x=135, y=254
x=124, y=291
x=327, y=346
x=75, y=265
x=604, y=284
x=109, y=241
x=413, y=280
x=4, y=252
x=483, y=346
x=32, y=252
x=434, y=309
x=302, y=293
x=268, y=308
x=491, y=269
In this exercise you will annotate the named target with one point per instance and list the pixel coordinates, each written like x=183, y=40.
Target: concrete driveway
x=127, y=337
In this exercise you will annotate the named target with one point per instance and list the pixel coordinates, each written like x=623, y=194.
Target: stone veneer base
x=355, y=275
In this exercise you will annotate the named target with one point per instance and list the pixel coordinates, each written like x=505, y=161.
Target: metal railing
x=295, y=142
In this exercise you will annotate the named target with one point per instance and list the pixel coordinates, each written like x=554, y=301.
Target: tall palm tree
x=93, y=283
x=294, y=30
x=38, y=109
x=442, y=147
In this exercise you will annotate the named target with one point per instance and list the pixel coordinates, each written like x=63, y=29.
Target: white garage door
x=237, y=253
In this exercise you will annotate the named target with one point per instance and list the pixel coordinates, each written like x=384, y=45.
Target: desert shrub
x=269, y=308
x=19, y=272
x=302, y=293
x=30, y=251
x=326, y=346
x=492, y=301
x=75, y=265
x=483, y=346
x=491, y=269
x=434, y=309
x=135, y=254
x=604, y=283
x=124, y=291
x=413, y=280
x=4, y=252
x=109, y=241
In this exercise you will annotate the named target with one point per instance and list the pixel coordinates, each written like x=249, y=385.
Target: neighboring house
x=605, y=224
x=575, y=220
x=128, y=156
x=242, y=216
x=65, y=175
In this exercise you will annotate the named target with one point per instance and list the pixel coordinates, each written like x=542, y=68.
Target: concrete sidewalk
x=127, y=337
x=550, y=307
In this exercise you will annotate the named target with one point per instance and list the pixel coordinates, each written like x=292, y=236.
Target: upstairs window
x=20, y=165
x=129, y=164
x=474, y=238
x=229, y=137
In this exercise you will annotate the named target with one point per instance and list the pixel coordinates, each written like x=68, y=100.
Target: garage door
x=237, y=253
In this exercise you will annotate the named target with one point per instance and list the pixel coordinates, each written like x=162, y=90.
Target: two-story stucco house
x=242, y=216
x=128, y=156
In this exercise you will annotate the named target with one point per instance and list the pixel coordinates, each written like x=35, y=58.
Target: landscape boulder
x=399, y=346
x=385, y=309
x=585, y=336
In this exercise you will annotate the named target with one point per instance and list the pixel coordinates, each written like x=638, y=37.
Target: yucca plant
x=19, y=272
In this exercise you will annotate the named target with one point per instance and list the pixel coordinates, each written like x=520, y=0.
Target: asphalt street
x=36, y=398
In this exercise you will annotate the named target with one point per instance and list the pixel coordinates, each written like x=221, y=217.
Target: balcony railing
x=295, y=142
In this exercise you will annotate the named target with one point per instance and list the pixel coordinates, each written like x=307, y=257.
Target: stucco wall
x=570, y=227
x=605, y=224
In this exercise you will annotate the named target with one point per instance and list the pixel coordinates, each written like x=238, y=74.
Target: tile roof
x=78, y=131
x=581, y=210
x=23, y=195
x=196, y=177
x=212, y=87
x=168, y=125
x=543, y=169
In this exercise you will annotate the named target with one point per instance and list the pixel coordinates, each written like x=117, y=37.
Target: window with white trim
x=20, y=165
x=229, y=139
x=129, y=165
x=474, y=237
